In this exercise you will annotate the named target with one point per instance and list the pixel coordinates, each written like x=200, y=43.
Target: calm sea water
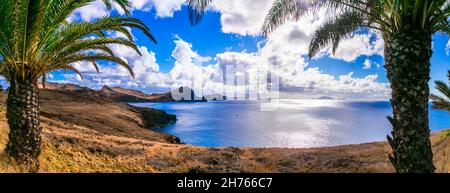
x=296, y=123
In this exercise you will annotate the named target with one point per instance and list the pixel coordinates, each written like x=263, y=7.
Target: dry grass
x=62, y=157
x=77, y=148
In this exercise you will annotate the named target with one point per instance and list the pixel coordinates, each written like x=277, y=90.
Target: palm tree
x=407, y=27
x=442, y=102
x=36, y=39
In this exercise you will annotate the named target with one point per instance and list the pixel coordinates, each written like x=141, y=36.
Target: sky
x=229, y=35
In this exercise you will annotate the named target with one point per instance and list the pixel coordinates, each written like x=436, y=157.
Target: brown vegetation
x=83, y=133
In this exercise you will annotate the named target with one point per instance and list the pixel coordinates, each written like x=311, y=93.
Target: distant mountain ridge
x=62, y=86
x=125, y=95
x=325, y=98
x=129, y=95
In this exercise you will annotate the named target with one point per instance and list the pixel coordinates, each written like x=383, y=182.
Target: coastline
x=88, y=133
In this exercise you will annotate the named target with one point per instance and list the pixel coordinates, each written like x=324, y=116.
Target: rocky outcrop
x=215, y=97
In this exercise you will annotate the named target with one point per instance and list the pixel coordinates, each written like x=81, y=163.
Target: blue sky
x=229, y=35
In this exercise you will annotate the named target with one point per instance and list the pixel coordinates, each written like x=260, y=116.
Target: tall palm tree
x=407, y=27
x=36, y=39
x=442, y=102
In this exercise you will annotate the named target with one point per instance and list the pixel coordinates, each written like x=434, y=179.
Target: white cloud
x=89, y=12
x=297, y=77
x=165, y=8
x=187, y=69
x=97, y=9
x=285, y=48
x=239, y=17
x=145, y=68
x=359, y=45
x=367, y=64
x=243, y=17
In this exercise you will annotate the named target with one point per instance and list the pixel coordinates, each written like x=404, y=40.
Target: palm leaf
x=35, y=37
x=442, y=102
x=196, y=9
x=285, y=10
x=335, y=30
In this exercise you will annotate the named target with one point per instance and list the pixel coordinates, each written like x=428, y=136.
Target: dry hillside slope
x=83, y=134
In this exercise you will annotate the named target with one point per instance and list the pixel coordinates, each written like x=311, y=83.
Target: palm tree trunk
x=407, y=58
x=23, y=119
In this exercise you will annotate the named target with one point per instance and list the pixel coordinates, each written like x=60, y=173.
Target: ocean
x=295, y=123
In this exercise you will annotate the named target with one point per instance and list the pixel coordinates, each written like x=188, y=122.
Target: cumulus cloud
x=239, y=17
x=283, y=56
x=89, y=12
x=164, y=8
x=287, y=47
x=297, y=77
x=144, y=66
x=97, y=9
x=188, y=68
x=367, y=64
x=367, y=44
x=283, y=53
x=243, y=17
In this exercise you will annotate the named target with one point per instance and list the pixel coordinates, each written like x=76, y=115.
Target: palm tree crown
x=442, y=102
x=35, y=37
x=386, y=16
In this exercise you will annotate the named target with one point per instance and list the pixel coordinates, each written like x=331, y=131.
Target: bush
x=446, y=134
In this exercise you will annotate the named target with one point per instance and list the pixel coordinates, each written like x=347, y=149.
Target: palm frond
x=335, y=30
x=35, y=37
x=70, y=68
x=124, y=4
x=442, y=102
x=94, y=44
x=281, y=11
x=88, y=57
x=443, y=88
x=285, y=10
x=196, y=9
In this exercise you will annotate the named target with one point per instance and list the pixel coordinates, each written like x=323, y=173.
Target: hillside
x=90, y=109
x=86, y=134
x=126, y=95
